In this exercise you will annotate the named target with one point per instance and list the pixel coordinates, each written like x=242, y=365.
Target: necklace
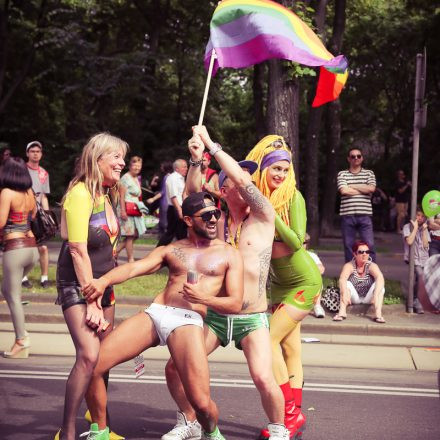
x=234, y=240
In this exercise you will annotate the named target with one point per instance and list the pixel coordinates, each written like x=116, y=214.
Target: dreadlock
x=279, y=198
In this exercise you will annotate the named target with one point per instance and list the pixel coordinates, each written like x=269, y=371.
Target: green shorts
x=234, y=327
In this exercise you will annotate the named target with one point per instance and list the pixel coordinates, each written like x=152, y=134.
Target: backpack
x=45, y=224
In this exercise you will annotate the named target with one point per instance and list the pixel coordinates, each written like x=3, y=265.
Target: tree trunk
x=282, y=114
x=312, y=174
x=258, y=92
x=312, y=150
x=333, y=128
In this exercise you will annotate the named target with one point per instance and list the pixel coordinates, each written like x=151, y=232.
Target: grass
x=146, y=239
x=148, y=286
x=393, y=290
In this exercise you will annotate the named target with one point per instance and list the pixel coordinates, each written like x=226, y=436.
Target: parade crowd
x=239, y=268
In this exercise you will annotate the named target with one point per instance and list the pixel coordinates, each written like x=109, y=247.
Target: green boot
x=96, y=434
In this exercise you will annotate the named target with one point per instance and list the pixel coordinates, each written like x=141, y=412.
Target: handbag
x=331, y=298
x=132, y=209
x=45, y=224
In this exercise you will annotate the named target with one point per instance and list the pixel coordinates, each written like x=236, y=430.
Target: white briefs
x=166, y=319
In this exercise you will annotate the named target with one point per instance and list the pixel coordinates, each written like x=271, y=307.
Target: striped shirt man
x=358, y=204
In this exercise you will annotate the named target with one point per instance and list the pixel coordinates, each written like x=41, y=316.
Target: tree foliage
x=71, y=68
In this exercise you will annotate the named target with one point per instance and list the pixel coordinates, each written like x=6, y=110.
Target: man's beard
x=205, y=233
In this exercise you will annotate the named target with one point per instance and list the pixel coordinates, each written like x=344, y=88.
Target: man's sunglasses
x=368, y=252
x=355, y=156
x=207, y=216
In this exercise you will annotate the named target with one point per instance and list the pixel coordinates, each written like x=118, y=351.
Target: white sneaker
x=184, y=430
x=278, y=432
x=318, y=311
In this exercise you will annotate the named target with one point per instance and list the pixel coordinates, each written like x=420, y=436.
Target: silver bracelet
x=195, y=163
x=215, y=149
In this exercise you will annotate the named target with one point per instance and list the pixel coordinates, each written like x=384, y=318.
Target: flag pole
x=208, y=82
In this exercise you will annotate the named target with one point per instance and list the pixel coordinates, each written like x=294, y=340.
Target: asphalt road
x=339, y=403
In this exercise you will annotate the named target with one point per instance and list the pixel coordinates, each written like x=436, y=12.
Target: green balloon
x=431, y=203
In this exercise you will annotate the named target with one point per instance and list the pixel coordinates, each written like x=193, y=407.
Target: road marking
x=235, y=383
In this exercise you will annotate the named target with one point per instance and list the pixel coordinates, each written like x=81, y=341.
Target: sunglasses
x=368, y=252
x=207, y=216
x=355, y=156
x=279, y=143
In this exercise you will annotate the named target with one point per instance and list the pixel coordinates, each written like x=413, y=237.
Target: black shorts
x=69, y=296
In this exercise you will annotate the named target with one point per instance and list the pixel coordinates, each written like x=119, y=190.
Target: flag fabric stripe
x=264, y=47
x=329, y=87
x=234, y=33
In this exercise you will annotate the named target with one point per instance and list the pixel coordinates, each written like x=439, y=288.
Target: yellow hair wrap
x=279, y=198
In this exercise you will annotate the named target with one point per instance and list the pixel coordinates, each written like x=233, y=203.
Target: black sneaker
x=27, y=284
x=44, y=284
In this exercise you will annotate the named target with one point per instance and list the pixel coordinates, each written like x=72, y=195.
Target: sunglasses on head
x=355, y=156
x=207, y=216
x=279, y=143
x=360, y=252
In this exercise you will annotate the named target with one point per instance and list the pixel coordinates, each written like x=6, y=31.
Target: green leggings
x=16, y=264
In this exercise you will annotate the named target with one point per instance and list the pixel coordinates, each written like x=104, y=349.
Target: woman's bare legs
x=129, y=245
x=86, y=344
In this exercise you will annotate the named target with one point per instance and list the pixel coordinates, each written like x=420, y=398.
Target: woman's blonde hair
x=279, y=198
x=87, y=169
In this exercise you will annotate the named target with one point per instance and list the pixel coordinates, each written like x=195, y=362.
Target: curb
x=330, y=328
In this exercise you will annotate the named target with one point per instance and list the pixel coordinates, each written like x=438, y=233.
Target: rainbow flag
x=247, y=32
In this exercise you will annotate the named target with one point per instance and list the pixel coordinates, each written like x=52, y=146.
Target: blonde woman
x=295, y=278
x=132, y=226
x=90, y=230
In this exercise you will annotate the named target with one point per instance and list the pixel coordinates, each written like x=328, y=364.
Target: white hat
x=33, y=144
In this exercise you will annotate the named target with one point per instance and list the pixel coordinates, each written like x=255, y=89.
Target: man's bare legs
x=44, y=260
x=174, y=383
x=124, y=343
x=188, y=351
x=257, y=349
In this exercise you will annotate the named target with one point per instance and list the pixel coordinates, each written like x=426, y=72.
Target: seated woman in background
x=361, y=282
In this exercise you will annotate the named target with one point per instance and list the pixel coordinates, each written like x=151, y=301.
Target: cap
x=250, y=165
x=33, y=144
x=195, y=202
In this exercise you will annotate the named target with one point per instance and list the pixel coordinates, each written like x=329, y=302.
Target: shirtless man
x=176, y=315
x=250, y=228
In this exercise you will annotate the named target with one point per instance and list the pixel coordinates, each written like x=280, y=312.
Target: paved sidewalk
x=406, y=341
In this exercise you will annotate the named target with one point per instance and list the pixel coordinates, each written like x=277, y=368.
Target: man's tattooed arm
x=260, y=205
x=264, y=258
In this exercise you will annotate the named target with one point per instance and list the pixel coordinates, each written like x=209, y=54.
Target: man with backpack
x=41, y=188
